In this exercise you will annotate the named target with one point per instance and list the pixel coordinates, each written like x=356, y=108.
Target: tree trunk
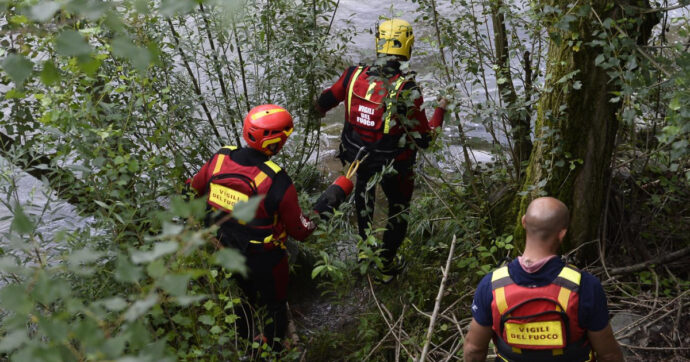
x=518, y=117
x=576, y=125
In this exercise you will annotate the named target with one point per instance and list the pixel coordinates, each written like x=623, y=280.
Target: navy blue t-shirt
x=592, y=314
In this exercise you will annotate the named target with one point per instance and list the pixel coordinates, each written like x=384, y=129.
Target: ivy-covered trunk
x=576, y=125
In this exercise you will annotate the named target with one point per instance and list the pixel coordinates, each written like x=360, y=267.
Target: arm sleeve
x=296, y=223
x=593, y=312
x=332, y=96
x=415, y=113
x=437, y=119
x=200, y=180
x=282, y=197
x=481, y=305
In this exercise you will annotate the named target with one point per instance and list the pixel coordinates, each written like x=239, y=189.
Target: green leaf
x=182, y=320
x=675, y=103
x=13, y=297
x=316, y=271
x=231, y=260
x=44, y=10
x=159, y=249
x=207, y=320
x=156, y=269
x=71, y=44
x=115, y=304
x=49, y=74
x=216, y=330
x=187, y=300
x=246, y=210
x=171, y=7
x=84, y=256
x=127, y=272
x=13, y=340
x=47, y=290
x=21, y=222
x=139, y=57
x=209, y=305
x=18, y=68
x=140, y=307
x=55, y=329
x=175, y=284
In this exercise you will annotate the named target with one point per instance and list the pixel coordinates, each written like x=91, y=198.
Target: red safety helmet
x=267, y=128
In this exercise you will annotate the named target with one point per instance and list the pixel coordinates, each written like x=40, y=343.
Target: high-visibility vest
x=538, y=323
x=231, y=183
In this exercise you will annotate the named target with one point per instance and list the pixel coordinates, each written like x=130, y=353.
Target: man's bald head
x=545, y=218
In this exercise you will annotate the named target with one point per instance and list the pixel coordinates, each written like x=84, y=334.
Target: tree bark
x=576, y=125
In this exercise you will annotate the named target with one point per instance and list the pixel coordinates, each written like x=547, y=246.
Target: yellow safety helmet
x=394, y=37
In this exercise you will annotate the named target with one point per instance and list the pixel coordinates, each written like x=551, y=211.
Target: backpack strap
x=569, y=281
x=500, y=278
x=222, y=153
x=392, y=97
x=351, y=86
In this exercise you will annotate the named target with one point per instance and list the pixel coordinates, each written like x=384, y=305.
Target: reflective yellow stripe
x=267, y=112
x=219, y=163
x=270, y=142
x=350, y=88
x=557, y=352
x=516, y=350
x=266, y=240
x=570, y=274
x=370, y=91
x=387, y=124
x=499, y=273
x=501, y=300
x=231, y=148
x=563, y=297
x=259, y=179
x=288, y=132
x=273, y=166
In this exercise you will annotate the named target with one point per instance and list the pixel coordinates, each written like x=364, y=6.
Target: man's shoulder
x=588, y=280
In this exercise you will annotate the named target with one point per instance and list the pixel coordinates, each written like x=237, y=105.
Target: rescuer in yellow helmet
x=385, y=122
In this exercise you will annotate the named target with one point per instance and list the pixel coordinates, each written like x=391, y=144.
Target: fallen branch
x=437, y=305
x=639, y=321
x=641, y=266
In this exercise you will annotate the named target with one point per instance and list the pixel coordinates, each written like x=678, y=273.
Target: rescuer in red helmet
x=383, y=120
x=537, y=308
x=234, y=175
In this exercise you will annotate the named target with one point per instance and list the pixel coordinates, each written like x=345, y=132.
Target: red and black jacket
x=233, y=175
x=382, y=112
x=538, y=323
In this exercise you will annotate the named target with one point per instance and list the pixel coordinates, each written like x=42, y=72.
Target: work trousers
x=265, y=287
x=398, y=190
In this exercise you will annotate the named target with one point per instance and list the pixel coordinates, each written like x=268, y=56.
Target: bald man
x=537, y=308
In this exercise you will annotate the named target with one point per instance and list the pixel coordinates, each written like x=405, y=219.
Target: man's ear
x=561, y=235
x=523, y=222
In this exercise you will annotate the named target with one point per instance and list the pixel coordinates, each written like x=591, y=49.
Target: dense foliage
x=110, y=106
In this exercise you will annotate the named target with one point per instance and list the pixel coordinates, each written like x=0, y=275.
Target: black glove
x=334, y=195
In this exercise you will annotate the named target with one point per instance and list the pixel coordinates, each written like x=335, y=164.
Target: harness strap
x=500, y=278
x=350, y=88
x=569, y=280
x=387, y=124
